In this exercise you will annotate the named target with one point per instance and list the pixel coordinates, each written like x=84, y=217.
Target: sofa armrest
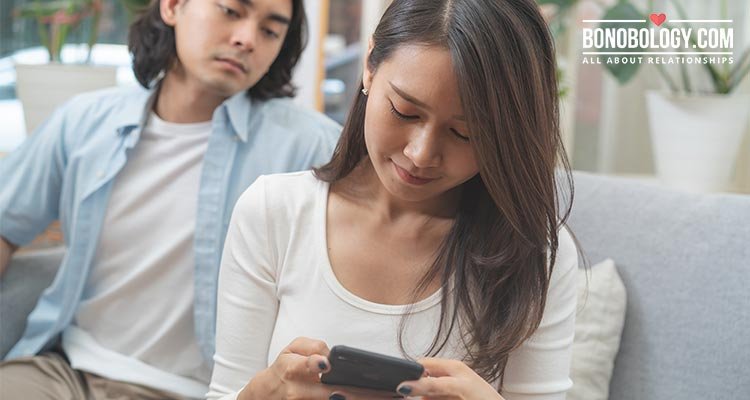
x=28, y=274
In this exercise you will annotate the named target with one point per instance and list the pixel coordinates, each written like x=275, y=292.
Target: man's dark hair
x=152, y=44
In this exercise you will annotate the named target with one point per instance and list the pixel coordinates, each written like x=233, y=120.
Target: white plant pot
x=44, y=87
x=696, y=139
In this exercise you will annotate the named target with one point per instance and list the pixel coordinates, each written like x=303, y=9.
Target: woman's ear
x=366, y=73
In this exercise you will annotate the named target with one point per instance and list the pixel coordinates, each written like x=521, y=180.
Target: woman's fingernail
x=405, y=389
x=336, y=396
x=322, y=365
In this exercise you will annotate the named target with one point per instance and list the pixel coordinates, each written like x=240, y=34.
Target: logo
x=658, y=40
x=657, y=19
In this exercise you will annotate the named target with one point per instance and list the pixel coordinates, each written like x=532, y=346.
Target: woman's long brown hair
x=496, y=261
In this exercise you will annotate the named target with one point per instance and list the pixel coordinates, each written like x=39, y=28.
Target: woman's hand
x=449, y=379
x=296, y=375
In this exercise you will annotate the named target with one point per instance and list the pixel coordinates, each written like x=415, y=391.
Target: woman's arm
x=247, y=302
x=246, y=316
x=540, y=368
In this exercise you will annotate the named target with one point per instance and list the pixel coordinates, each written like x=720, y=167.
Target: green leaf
x=135, y=6
x=38, y=9
x=666, y=77
x=558, y=23
x=740, y=69
x=622, y=10
x=52, y=34
x=685, y=79
x=739, y=72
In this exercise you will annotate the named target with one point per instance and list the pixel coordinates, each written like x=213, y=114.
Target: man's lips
x=240, y=66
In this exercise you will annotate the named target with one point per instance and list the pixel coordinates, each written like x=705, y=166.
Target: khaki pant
x=49, y=376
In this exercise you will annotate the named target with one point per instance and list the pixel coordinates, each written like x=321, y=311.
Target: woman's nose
x=423, y=148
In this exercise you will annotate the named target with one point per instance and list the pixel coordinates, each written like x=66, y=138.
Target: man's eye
x=229, y=12
x=270, y=33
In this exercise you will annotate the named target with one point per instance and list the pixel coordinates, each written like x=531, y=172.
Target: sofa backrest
x=685, y=261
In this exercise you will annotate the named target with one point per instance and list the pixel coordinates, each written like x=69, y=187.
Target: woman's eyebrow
x=408, y=97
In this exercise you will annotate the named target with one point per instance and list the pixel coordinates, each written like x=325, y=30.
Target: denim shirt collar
x=239, y=108
x=135, y=114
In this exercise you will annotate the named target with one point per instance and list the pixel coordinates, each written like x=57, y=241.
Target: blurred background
x=607, y=115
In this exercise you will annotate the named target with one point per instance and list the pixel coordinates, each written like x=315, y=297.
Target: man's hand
x=6, y=251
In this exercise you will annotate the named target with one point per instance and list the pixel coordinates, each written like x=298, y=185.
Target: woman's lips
x=409, y=178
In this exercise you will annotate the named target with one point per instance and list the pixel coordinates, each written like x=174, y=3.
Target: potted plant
x=43, y=87
x=697, y=126
x=56, y=19
x=557, y=14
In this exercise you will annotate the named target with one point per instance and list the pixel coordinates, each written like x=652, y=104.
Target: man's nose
x=423, y=148
x=245, y=36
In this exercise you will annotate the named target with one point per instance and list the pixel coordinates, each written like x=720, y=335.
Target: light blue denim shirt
x=65, y=170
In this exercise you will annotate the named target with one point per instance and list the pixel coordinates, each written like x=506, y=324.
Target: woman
x=433, y=233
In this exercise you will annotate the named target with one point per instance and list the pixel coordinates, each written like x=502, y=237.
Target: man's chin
x=227, y=89
x=226, y=84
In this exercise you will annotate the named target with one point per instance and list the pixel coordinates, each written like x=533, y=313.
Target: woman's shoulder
x=291, y=185
x=290, y=192
x=566, y=258
x=567, y=250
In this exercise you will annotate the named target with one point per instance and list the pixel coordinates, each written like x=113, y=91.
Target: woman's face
x=415, y=129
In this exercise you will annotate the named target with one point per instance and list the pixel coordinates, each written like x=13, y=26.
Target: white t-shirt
x=276, y=284
x=135, y=320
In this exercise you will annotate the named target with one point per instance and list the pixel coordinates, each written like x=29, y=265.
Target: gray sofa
x=684, y=259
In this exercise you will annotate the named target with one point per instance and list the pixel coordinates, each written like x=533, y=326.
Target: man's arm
x=6, y=251
x=32, y=181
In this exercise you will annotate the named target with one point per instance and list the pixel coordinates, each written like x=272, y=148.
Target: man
x=144, y=182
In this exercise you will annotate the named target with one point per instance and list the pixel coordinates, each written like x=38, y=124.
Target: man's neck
x=181, y=101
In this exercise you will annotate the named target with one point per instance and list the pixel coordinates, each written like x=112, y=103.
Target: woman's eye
x=400, y=115
x=460, y=136
x=229, y=12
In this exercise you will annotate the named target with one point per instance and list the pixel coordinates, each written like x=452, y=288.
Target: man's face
x=227, y=46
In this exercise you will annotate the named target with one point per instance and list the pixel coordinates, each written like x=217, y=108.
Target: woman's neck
x=364, y=187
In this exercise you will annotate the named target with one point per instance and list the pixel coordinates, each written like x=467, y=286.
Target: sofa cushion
x=599, y=321
x=685, y=261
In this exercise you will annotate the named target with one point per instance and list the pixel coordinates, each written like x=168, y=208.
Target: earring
x=365, y=92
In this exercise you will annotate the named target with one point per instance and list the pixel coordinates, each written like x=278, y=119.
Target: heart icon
x=658, y=19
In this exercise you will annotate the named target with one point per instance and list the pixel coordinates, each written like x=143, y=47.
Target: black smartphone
x=368, y=370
